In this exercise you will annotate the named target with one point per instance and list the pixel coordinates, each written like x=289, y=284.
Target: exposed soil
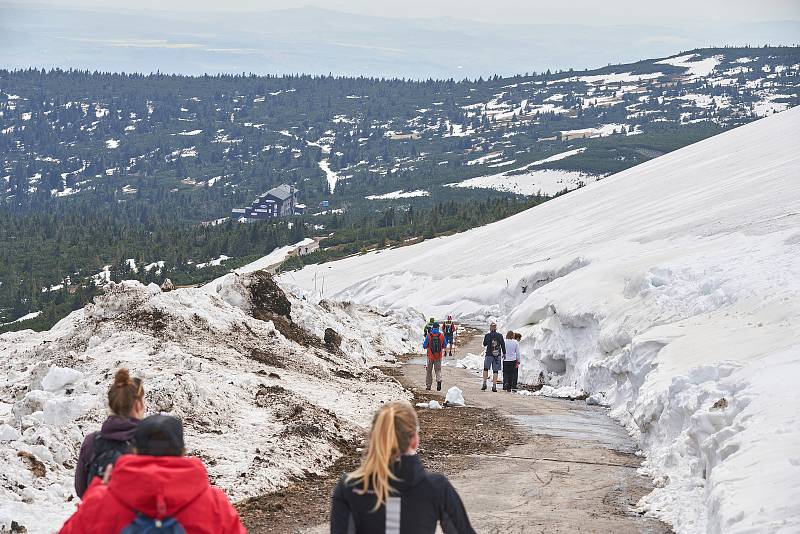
x=36, y=467
x=301, y=504
x=451, y=439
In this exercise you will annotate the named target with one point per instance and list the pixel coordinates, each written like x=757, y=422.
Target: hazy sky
x=514, y=11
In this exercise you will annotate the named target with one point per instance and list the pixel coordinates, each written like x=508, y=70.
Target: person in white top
x=510, y=361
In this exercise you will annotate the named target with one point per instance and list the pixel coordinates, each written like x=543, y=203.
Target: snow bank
x=206, y=358
x=454, y=397
x=471, y=361
x=273, y=258
x=669, y=292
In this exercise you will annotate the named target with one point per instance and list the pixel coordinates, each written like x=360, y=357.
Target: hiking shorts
x=448, y=340
x=490, y=362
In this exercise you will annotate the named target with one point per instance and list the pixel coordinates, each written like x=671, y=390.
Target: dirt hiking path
x=574, y=472
x=525, y=464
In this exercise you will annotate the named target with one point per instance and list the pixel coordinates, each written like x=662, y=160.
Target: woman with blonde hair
x=100, y=449
x=391, y=492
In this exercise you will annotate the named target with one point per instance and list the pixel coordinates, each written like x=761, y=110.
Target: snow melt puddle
x=584, y=424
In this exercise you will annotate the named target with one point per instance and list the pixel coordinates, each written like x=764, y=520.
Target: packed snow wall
x=669, y=292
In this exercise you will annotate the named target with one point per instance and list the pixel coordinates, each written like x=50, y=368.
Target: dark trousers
x=509, y=375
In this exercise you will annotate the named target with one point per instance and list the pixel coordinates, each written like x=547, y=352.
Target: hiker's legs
x=495, y=370
x=508, y=374
x=487, y=364
x=429, y=374
x=438, y=368
x=514, y=375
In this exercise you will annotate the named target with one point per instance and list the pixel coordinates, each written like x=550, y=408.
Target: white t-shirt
x=512, y=350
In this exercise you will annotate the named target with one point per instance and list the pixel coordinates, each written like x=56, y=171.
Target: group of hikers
x=437, y=341
x=501, y=353
x=133, y=477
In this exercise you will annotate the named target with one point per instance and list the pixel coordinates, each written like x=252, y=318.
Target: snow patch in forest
x=400, y=193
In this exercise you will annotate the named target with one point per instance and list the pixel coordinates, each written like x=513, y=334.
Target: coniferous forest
x=117, y=176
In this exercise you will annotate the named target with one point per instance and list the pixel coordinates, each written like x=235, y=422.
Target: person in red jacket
x=156, y=483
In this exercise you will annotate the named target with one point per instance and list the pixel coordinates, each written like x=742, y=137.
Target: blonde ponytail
x=393, y=428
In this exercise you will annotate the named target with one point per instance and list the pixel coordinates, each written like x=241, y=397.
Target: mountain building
x=279, y=201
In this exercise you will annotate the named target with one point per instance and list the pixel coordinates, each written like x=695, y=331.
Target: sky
x=409, y=38
x=500, y=11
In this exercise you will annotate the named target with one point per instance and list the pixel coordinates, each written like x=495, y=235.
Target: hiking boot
x=494, y=388
x=483, y=387
x=439, y=385
x=428, y=388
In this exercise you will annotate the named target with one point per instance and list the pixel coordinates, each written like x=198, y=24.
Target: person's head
x=435, y=325
x=431, y=320
x=449, y=317
x=510, y=335
x=394, y=432
x=518, y=336
x=159, y=435
x=493, y=326
x=126, y=395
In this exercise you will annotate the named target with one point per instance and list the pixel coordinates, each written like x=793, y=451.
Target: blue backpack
x=147, y=525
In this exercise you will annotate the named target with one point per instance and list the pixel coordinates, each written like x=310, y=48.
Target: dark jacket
x=422, y=500
x=158, y=487
x=114, y=428
x=487, y=342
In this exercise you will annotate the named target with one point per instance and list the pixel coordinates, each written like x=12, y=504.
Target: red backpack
x=435, y=345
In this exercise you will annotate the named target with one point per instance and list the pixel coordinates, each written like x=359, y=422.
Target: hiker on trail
x=449, y=331
x=510, y=361
x=435, y=342
x=99, y=449
x=155, y=486
x=495, y=349
x=391, y=492
x=428, y=327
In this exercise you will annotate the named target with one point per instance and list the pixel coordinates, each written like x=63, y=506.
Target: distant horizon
x=385, y=78
x=322, y=40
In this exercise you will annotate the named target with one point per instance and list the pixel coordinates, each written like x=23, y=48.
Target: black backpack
x=106, y=452
x=147, y=525
x=448, y=329
x=435, y=343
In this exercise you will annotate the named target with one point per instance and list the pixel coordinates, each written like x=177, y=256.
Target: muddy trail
x=573, y=471
x=522, y=464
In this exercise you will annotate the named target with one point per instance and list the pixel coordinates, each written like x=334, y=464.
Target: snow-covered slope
x=670, y=291
x=205, y=357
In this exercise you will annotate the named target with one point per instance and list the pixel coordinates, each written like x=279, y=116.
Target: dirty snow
x=204, y=358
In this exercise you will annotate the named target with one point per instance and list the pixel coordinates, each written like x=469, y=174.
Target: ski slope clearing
x=263, y=399
x=669, y=292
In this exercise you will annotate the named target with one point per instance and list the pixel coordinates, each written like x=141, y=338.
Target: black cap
x=159, y=435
